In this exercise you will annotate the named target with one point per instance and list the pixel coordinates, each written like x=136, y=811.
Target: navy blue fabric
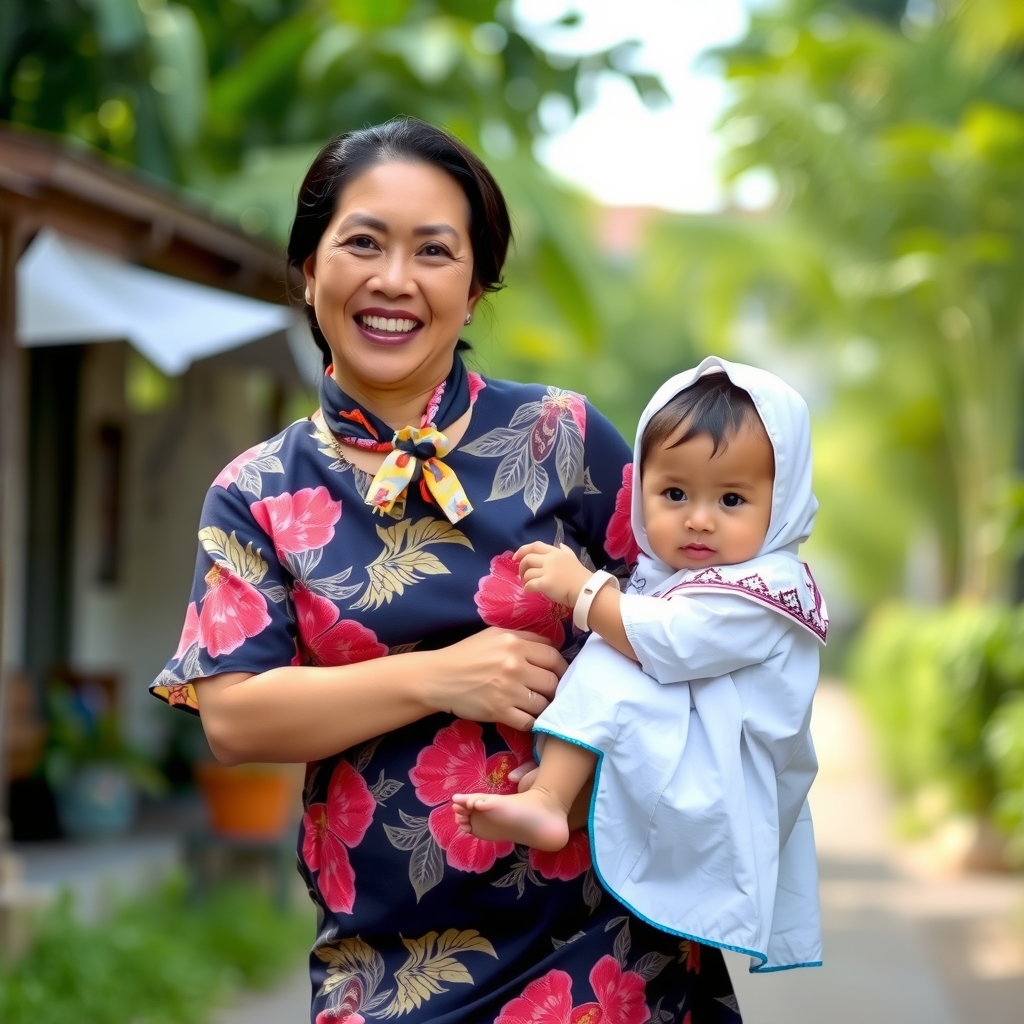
x=417, y=921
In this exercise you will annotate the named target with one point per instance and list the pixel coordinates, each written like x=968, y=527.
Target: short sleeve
x=602, y=521
x=239, y=614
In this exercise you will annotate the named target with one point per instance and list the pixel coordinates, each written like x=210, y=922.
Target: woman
x=385, y=525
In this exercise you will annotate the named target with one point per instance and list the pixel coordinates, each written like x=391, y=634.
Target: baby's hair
x=713, y=406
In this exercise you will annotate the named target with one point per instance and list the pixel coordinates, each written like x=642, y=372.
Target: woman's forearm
x=294, y=714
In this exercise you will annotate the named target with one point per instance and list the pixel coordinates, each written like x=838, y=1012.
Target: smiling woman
x=356, y=606
x=390, y=288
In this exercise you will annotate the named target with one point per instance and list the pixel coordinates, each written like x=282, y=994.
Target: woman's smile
x=387, y=326
x=392, y=282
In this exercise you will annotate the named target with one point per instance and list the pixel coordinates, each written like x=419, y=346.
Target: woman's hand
x=554, y=572
x=498, y=675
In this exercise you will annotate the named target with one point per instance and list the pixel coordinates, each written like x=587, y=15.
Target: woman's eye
x=731, y=500
x=362, y=242
x=675, y=494
x=434, y=250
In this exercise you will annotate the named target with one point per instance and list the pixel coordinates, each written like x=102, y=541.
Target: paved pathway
x=900, y=947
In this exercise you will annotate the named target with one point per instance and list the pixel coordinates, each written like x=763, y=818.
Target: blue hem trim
x=759, y=969
x=785, y=967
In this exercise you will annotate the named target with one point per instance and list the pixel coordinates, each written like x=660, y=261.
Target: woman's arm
x=297, y=714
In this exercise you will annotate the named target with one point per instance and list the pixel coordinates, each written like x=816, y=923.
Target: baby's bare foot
x=535, y=818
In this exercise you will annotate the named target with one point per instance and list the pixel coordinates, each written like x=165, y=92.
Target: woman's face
x=392, y=278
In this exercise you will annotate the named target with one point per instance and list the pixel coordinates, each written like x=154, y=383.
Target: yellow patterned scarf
x=419, y=448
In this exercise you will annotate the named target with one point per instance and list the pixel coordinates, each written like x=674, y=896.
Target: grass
x=159, y=959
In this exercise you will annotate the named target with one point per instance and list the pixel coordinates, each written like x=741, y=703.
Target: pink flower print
x=520, y=743
x=457, y=762
x=232, y=611
x=546, y=1000
x=463, y=851
x=619, y=541
x=557, y=405
x=345, y=1009
x=476, y=385
x=553, y=425
x=298, y=522
x=325, y=639
x=502, y=601
x=620, y=996
x=229, y=474
x=331, y=829
x=189, y=632
x=246, y=471
x=566, y=864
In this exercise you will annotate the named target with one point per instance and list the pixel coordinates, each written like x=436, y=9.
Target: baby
x=691, y=701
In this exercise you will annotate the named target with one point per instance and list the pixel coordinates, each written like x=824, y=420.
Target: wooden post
x=17, y=905
x=11, y=465
x=9, y=384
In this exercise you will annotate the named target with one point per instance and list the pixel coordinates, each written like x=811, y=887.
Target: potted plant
x=94, y=774
x=251, y=801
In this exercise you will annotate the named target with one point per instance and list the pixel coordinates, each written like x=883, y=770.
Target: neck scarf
x=412, y=451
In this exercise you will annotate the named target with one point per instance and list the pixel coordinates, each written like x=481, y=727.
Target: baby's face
x=702, y=509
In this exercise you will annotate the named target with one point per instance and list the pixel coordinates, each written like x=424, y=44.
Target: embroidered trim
x=787, y=602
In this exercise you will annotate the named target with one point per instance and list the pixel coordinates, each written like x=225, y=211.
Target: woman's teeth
x=396, y=325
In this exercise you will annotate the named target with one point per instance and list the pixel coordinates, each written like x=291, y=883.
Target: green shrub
x=155, y=960
x=945, y=687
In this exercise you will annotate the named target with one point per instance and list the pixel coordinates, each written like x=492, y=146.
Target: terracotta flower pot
x=252, y=801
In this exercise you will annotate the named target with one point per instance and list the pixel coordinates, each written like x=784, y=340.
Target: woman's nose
x=394, y=278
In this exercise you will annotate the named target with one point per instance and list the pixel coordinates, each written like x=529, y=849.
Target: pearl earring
x=469, y=319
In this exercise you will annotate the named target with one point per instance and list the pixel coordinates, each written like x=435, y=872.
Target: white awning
x=73, y=293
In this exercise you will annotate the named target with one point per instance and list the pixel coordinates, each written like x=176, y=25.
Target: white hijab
x=775, y=572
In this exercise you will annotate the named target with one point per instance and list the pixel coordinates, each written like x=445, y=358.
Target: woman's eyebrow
x=435, y=229
x=362, y=220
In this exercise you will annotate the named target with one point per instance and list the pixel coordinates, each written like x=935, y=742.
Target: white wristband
x=581, y=612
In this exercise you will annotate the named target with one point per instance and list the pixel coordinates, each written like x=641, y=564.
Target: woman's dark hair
x=414, y=141
x=713, y=406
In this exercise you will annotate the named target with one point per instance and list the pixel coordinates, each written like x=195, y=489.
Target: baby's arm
x=559, y=575
x=699, y=635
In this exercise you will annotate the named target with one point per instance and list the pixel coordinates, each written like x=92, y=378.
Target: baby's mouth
x=698, y=550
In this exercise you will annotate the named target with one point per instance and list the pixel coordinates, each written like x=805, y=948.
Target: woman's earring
x=469, y=319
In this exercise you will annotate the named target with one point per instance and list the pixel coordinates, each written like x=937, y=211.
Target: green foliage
x=945, y=686
x=81, y=734
x=156, y=960
x=231, y=99
x=898, y=157
x=1004, y=742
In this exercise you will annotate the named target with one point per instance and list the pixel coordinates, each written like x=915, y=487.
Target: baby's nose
x=701, y=519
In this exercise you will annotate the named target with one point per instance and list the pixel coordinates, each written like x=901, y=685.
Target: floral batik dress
x=418, y=921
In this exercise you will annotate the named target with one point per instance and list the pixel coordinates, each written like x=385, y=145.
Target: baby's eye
x=731, y=500
x=675, y=494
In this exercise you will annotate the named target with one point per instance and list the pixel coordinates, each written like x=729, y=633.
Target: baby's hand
x=554, y=572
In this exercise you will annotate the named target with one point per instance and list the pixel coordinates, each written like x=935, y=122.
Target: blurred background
x=831, y=189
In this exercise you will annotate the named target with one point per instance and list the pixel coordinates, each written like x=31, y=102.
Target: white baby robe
x=699, y=820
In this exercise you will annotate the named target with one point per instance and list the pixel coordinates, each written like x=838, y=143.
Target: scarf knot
x=418, y=448
x=414, y=452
